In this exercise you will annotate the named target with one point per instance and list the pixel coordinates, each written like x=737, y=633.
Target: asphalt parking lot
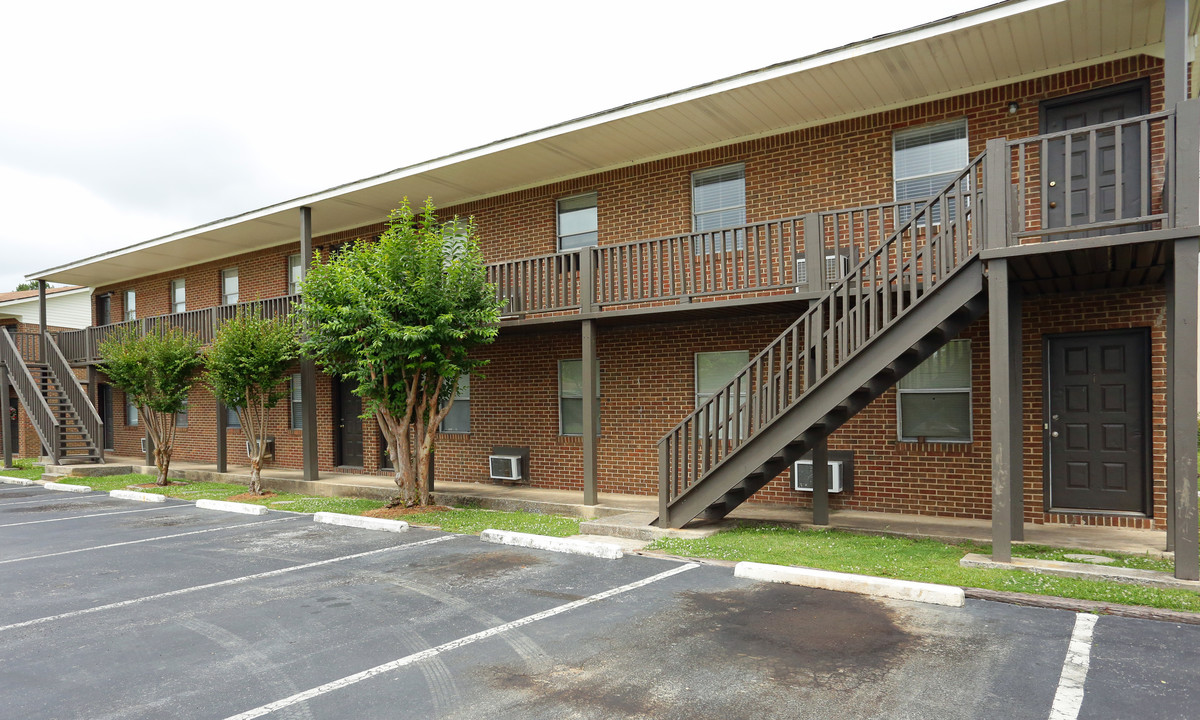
x=118, y=609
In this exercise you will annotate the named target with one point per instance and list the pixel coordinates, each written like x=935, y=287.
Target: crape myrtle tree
x=155, y=370
x=246, y=367
x=399, y=318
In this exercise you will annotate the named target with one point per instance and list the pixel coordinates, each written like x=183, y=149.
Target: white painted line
x=846, y=582
x=607, y=551
x=223, y=506
x=452, y=645
x=1069, y=696
x=16, y=481
x=49, y=496
x=81, y=517
x=359, y=521
x=66, y=488
x=221, y=583
x=139, y=496
x=146, y=540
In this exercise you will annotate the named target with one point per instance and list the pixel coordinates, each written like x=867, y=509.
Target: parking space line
x=146, y=540
x=50, y=496
x=80, y=517
x=1069, y=696
x=220, y=583
x=453, y=644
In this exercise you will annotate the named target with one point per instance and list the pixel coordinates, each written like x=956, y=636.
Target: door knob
x=1054, y=434
x=1053, y=204
x=1053, y=183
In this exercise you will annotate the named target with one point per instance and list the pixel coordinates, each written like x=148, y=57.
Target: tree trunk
x=162, y=460
x=256, y=474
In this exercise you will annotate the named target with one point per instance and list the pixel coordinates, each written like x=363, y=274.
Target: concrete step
x=636, y=526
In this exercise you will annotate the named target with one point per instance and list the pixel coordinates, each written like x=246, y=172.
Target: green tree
x=400, y=318
x=29, y=285
x=156, y=370
x=245, y=366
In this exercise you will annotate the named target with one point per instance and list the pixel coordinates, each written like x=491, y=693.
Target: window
x=719, y=201
x=714, y=370
x=131, y=413
x=925, y=159
x=178, y=296
x=231, y=418
x=295, y=273
x=458, y=420
x=577, y=222
x=570, y=398
x=130, y=305
x=229, y=286
x=935, y=398
x=181, y=417
x=297, y=403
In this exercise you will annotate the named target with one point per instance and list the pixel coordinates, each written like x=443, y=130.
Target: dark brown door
x=1097, y=421
x=349, y=426
x=14, y=428
x=106, y=413
x=1071, y=171
x=103, y=310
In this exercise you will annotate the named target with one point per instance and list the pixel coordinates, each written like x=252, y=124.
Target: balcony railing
x=1113, y=177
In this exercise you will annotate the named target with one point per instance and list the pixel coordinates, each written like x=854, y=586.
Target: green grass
x=473, y=520
x=23, y=469
x=920, y=560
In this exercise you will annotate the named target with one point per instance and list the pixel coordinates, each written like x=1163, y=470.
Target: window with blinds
x=925, y=159
x=719, y=204
x=578, y=222
x=935, y=398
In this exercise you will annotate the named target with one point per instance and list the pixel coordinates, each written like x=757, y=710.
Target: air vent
x=505, y=467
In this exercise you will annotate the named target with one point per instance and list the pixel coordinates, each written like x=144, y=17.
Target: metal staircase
x=63, y=417
x=910, y=296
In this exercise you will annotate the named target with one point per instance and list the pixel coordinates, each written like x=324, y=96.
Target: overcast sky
x=124, y=121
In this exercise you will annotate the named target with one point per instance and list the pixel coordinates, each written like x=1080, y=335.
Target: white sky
x=123, y=121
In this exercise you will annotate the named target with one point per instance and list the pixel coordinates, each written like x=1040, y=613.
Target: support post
x=1187, y=164
x=1004, y=340
x=587, y=281
x=222, y=422
x=42, y=321
x=591, y=381
x=996, y=182
x=308, y=369
x=814, y=253
x=1181, y=421
x=149, y=445
x=1175, y=29
x=820, y=498
x=5, y=422
x=664, y=486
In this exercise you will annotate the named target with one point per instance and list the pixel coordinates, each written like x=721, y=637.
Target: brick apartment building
x=960, y=260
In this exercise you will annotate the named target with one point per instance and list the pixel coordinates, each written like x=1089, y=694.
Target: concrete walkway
x=629, y=515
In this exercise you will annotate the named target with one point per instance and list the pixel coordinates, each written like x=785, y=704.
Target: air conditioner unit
x=504, y=467
x=802, y=476
x=836, y=267
x=268, y=448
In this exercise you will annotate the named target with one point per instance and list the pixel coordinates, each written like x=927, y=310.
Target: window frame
x=181, y=417
x=231, y=418
x=132, y=419
x=558, y=212
x=178, y=285
x=459, y=398
x=968, y=390
x=296, y=403
x=700, y=398
x=295, y=273
x=561, y=397
x=927, y=128
x=225, y=294
x=129, y=305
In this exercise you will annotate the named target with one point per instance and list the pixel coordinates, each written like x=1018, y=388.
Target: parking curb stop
x=234, y=507
x=139, y=496
x=607, y=551
x=947, y=595
x=360, y=521
x=16, y=481
x=67, y=488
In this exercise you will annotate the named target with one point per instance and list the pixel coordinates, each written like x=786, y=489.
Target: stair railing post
x=664, y=484
x=996, y=179
x=5, y=422
x=587, y=282
x=814, y=253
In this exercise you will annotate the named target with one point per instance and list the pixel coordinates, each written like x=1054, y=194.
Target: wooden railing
x=936, y=240
x=1092, y=180
x=547, y=283
x=29, y=345
x=31, y=398
x=88, y=417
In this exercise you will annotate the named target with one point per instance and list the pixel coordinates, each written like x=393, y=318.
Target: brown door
x=14, y=427
x=1097, y=421
x=106, y=413
x=349, y=426
x=103, y=309
x=1074, y=173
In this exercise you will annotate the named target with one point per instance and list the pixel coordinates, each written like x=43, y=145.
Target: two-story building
x=959, y=261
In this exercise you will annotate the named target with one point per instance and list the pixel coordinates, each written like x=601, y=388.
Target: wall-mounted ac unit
x=268, y=448
x=802, y=476
x=504, y=467
x=836, y=267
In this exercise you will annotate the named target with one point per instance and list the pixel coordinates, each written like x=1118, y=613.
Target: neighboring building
x=960, y=252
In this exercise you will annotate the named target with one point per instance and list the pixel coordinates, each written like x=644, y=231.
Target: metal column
x=308, y=369
x=1008, y=477
x=42, y=319
x=5, y=423
x=1181, y=421
x=590, y=383
x=820, y=496
x=222, y=421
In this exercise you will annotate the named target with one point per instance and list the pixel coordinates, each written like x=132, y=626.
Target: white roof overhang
x=995, y=45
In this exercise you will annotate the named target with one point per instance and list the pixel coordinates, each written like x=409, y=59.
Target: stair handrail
x=88, y=417
x=45, y=424
x=729, y=417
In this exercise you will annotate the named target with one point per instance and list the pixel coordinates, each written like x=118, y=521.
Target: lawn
x=466, y=521
x=24, y=469
x=921, y=560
